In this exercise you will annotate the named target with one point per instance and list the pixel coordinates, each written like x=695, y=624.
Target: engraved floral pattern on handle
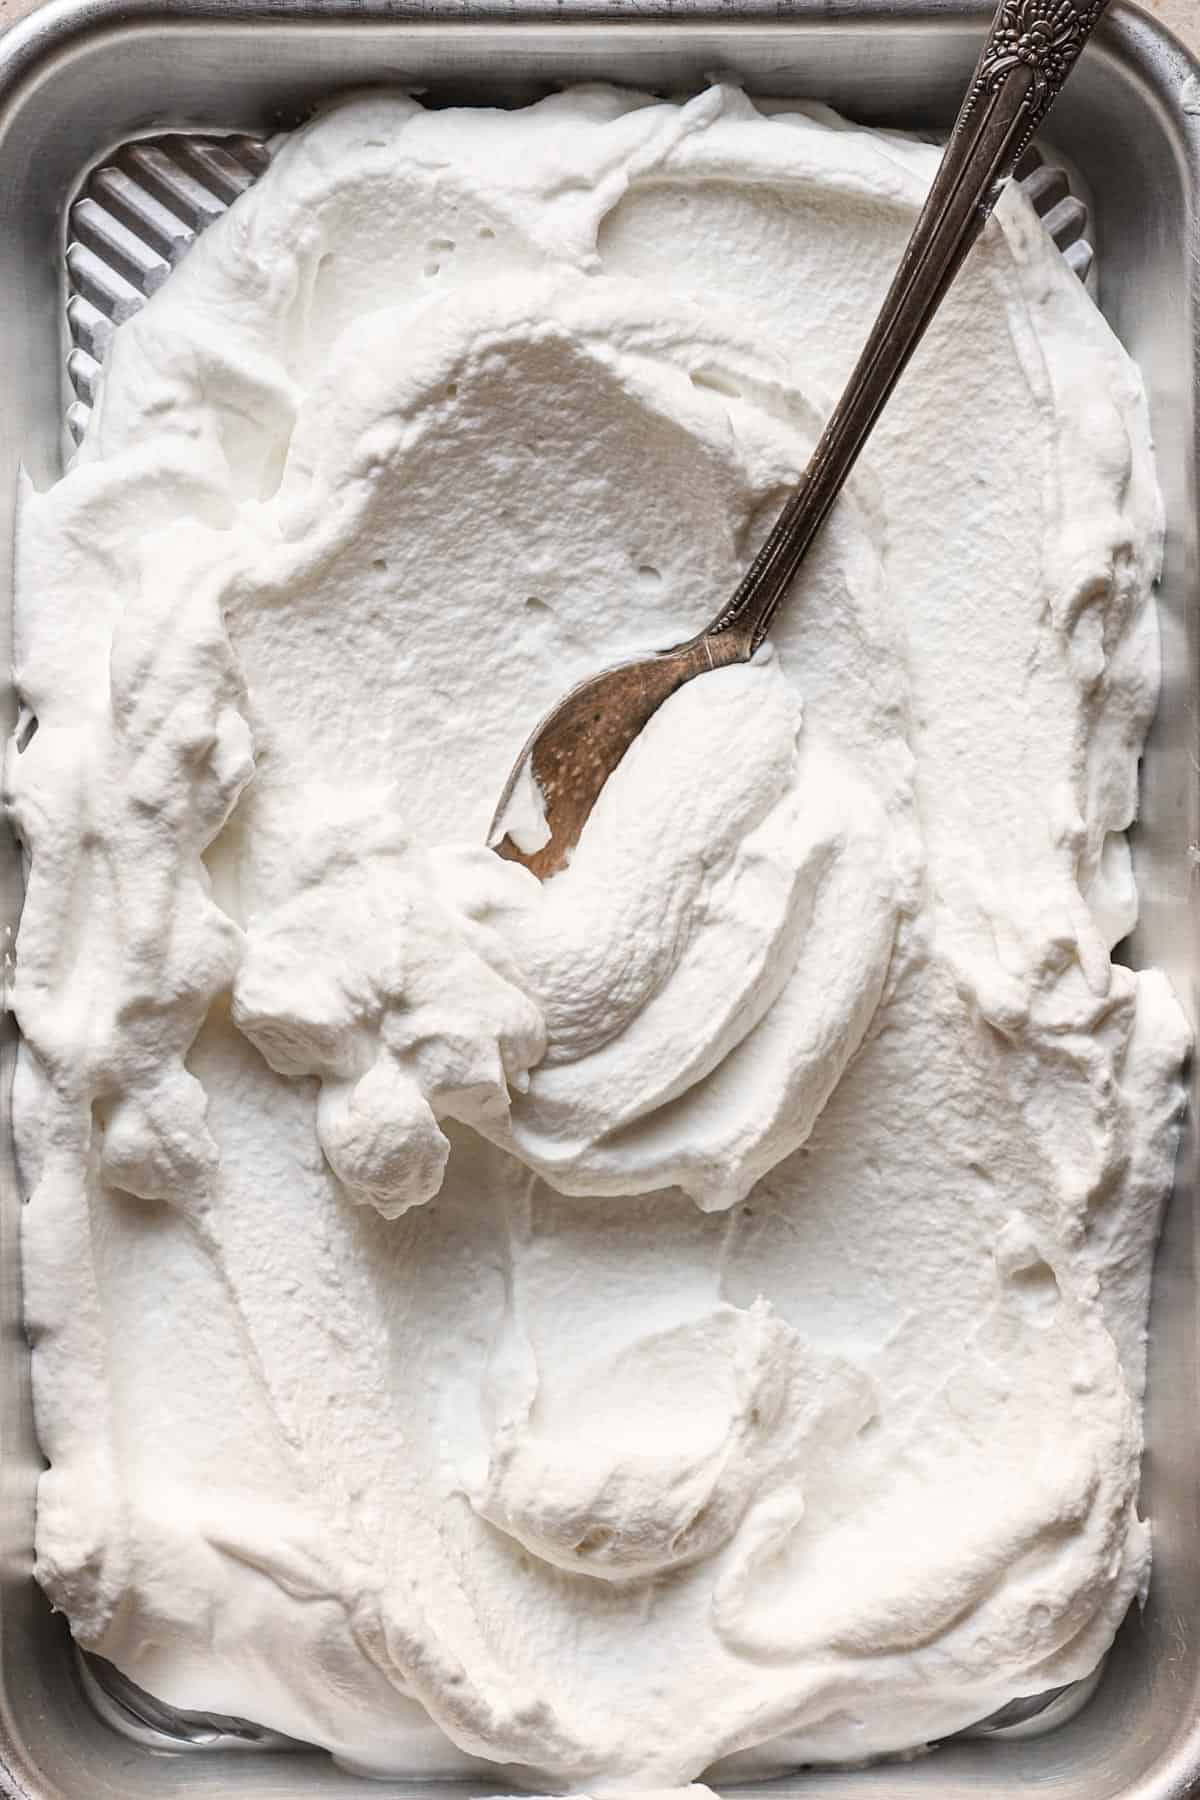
x=1044, y=38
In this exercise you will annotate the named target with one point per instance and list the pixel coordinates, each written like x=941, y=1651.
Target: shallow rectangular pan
x=81, y=76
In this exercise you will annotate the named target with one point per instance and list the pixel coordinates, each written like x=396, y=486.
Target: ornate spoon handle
x=1030, y=50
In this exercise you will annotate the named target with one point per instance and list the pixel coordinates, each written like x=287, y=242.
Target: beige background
x=1183, y=16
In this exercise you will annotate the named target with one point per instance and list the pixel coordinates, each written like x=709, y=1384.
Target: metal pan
x=83, y=76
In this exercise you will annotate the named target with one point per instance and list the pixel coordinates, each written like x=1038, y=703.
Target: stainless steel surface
x=135, y=217
x=1041, y=1712
x=1029, y=52
x=1062, y=210
x=137, y=1715
x=82, y=76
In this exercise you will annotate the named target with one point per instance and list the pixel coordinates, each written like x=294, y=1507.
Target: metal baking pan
x=83, y=76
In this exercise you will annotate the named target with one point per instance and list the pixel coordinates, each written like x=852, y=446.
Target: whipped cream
x=689, y=1314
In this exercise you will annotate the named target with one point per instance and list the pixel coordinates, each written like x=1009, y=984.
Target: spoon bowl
x=580, y=742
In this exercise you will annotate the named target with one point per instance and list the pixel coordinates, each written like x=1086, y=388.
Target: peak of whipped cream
x=655, y=972
x=690, y=1314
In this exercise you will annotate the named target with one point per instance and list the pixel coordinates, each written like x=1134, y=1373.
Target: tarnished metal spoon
x=1029, y=51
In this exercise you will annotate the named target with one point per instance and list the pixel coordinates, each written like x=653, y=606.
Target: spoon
x=1029, y=51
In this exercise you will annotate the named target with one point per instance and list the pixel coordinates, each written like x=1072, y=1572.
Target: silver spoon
x=1030, y=50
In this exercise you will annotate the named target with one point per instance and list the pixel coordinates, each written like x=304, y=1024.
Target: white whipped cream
x=691, y=1313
